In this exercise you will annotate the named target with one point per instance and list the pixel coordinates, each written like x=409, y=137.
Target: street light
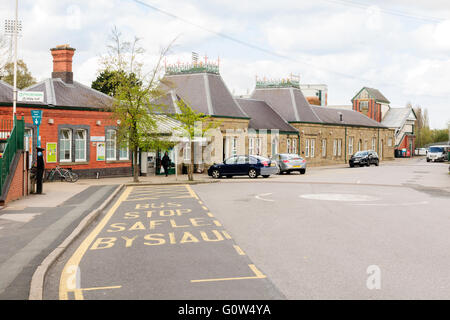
x=12, y=28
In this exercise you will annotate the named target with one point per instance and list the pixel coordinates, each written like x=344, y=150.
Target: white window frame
x=289, y=146
x=258, y=145
x=251, y=146
x=307, y=148
x=234, y=146
x=274, y=145
x=114, y=145
x=324, y=148
x=335, y=147
x=359, y=144
x=350, y=145
x=187, y=151
x=339, y=151
x=389, y=144
x=313, y=148
x=84, y=142
x=61, y=148
x=294, y=145
x=127, y=152
x=373, y=144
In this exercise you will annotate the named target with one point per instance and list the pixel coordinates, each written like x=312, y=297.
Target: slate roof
x=396, y=117
x=262, y=116
x=60, y=94
x=290, y=103
x=204, y=92
x=6, y=92
x=332, y=116
x=375, y=94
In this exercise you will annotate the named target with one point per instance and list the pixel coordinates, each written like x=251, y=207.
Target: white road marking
x=264, y=195
x=19, y=217
x=338, y=197
x=392, y=204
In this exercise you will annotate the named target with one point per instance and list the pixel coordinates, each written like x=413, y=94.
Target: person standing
x=40, y=169
x=166, y=163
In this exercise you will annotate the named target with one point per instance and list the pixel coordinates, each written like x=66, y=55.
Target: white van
x=438, y=153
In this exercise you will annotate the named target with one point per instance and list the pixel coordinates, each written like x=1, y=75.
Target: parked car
x=364, y=158
x=253, y=166
x=288, y=162
x=421, y=152
x=438, y=153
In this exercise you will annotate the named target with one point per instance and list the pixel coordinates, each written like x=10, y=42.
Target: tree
x=194, y=125
x=134, y=91
x=24, y=77
x=105, y=81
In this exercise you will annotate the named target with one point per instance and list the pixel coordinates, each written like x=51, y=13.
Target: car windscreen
x=361, y=154
x=436, y=149
x=254, y=159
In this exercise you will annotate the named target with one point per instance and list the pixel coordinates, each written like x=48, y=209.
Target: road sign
x=30, y=96
x=36, y=115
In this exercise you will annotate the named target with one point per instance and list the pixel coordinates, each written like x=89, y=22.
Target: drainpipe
x=345, y=145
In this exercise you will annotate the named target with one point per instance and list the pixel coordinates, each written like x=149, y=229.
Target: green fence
x=12, y=144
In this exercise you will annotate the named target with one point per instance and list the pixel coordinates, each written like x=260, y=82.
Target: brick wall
x=83, y=118
x=17, y=188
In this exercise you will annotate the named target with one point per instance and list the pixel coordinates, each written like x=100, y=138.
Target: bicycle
x=64, y=174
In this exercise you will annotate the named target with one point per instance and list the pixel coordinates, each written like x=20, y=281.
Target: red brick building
x=76, y=130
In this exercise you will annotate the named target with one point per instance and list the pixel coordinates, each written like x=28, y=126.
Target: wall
x=82, y=118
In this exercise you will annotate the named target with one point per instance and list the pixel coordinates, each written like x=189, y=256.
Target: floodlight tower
x=12, y=28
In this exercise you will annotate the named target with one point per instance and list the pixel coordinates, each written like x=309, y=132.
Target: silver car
x=288, y=162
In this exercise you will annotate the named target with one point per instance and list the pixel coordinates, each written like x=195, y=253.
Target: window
x=359, y=145
x=251, y=146
x=234, y=145
x=313, y=147
x=324, y=148
x=335, y=142
x=124, y=152
x=187, y=151
x=294, y=146
x=274, y=145
x=80, y=145
x=339, y=147
x=65, y=145
x=350, y=145
x=307, y=148
x=289, y=146
x=364, y=105
x=389, y=142
x=373, y=143
x=231, y=160
x=111, y=145
x=258, y=146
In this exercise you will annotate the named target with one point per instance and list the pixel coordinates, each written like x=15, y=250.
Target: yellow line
x=239, y=250
x=100, y=288
x=191, y=191
x=205, y=208
x=210, y=214
x=75, y=259
x=258, y=275
x=217, y=223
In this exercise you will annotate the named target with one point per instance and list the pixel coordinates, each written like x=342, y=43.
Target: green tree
x=106, y=81
x=194, y=125
x=134, y=91
x=24, y=77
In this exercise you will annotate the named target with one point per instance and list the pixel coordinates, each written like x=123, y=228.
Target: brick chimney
x=62, y=63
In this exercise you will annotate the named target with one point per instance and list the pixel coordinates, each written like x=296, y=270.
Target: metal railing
x=14, y=142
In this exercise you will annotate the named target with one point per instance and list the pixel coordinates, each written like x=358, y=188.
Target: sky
x=400, y=47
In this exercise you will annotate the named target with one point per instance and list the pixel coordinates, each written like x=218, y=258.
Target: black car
x=253, y=166
x=364, y=158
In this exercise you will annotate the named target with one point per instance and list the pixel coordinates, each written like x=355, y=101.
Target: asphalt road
x=345, y=233
x=157, y=242
x=334, y=233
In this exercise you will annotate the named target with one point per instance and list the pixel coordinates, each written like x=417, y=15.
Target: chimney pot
x=62, y=62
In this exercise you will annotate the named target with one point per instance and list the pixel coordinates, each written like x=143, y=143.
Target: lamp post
x=12, y=28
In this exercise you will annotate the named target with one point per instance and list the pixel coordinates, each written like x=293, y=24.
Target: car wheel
x=352, y=165
x=376, y=163
x=266, y=176
x=368, y=164
x=215, y=174
x=288, y=172
x=252, y=173
x=302, y=171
